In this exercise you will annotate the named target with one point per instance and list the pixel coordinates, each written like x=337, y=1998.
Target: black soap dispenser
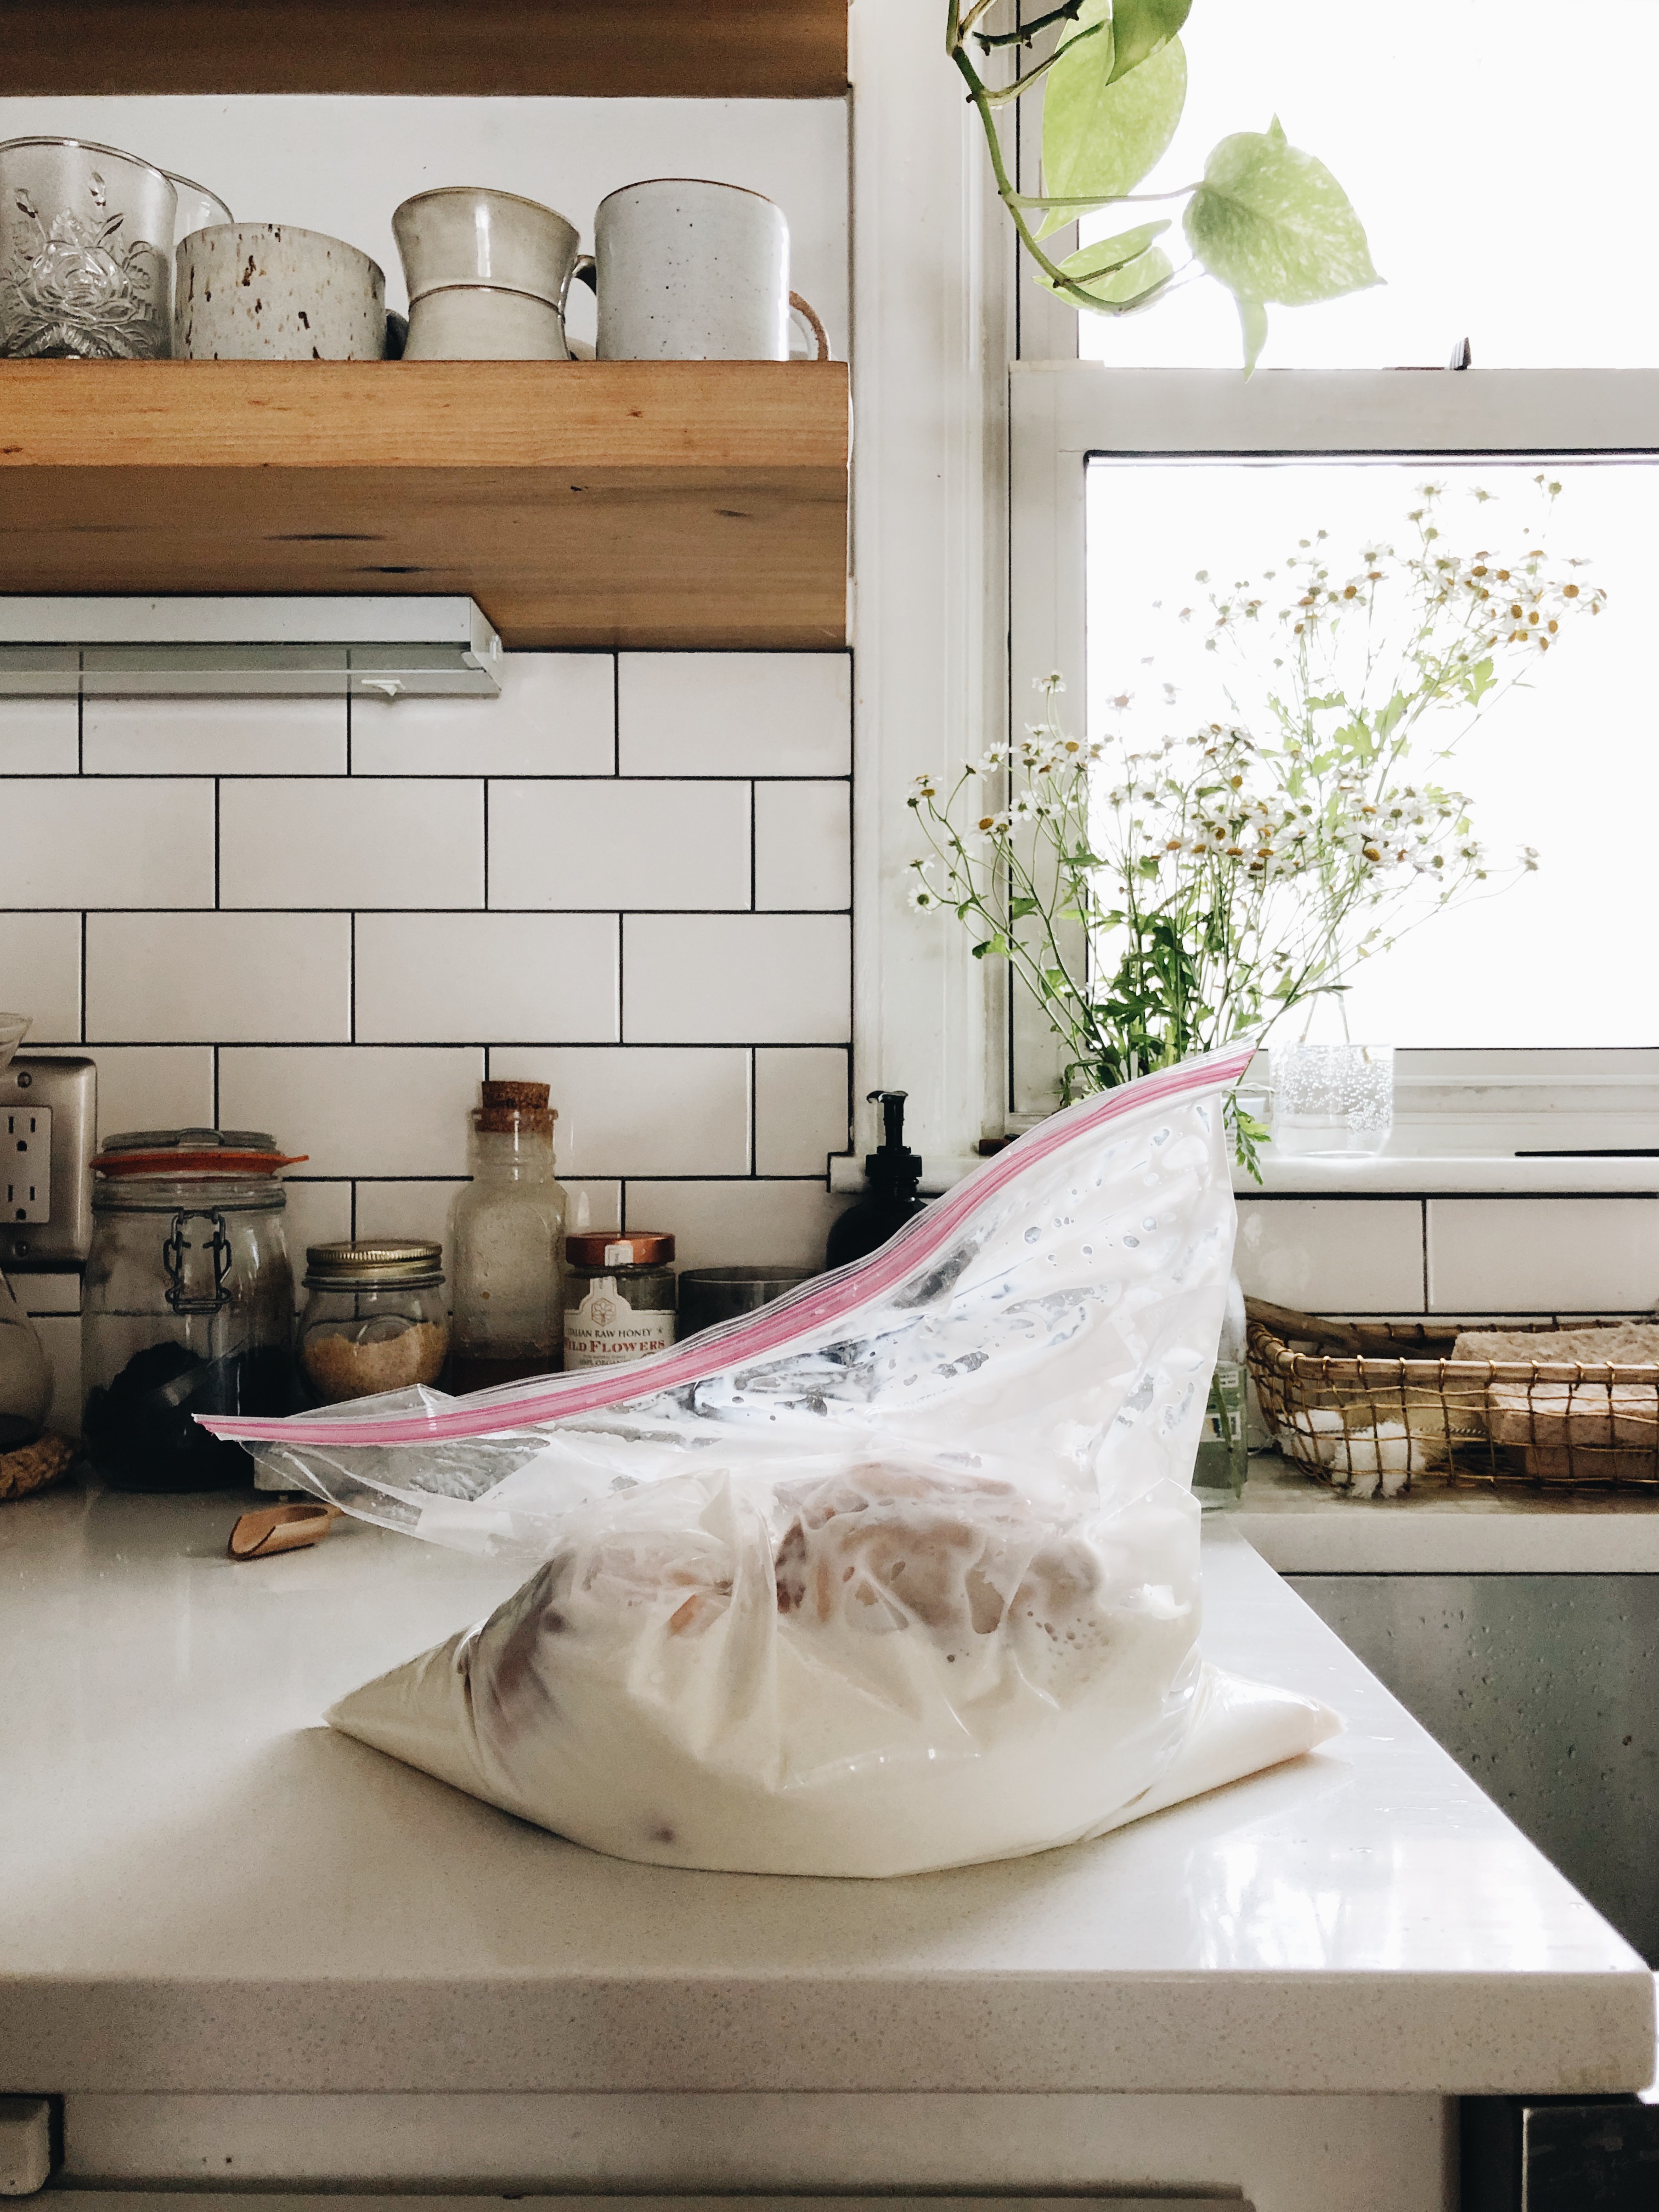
x=891, y=1175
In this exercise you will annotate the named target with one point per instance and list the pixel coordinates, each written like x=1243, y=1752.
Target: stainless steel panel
x=67, y=1088
x=1545, y=1688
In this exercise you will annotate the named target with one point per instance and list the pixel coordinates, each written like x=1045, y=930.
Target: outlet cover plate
x=67, y=1088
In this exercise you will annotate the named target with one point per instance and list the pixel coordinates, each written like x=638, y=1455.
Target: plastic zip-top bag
x=900, y=1572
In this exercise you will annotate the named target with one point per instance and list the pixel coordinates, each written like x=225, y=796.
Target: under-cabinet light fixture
x=415, y=647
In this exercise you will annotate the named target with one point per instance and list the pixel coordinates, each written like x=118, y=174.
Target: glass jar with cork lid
x=619, y=1297
x=374, y=1319
x=506, y=1243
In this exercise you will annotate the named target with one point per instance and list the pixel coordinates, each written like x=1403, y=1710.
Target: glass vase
x=1333, y=1098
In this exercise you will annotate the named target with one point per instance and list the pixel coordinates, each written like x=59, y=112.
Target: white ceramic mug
x=686, y=270
x=266, y=291
x=488, y=273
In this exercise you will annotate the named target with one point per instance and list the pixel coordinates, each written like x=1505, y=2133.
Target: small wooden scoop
x=281, y=1529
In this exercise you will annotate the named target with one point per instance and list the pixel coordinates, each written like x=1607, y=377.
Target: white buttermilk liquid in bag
x=900, y=1573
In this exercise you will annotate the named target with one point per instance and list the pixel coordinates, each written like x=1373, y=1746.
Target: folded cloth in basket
x=1574, y=1415
x=1620, y=1344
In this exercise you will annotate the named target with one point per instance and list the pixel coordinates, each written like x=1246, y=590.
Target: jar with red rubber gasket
x=189, y=1305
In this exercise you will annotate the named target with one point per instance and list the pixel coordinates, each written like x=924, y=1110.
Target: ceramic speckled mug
x=692, y=270
x=488, y=273
x=264, y=291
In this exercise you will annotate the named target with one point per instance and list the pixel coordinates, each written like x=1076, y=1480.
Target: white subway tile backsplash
x=781, y=1225
x=60, y=1340
x=223, y=978
x=619, y=844
x=734, y=714
x=356, y=1109
x=803, y=845
x=407, y=1209
x=800, y=1110
x=316, y=1214
x=349, y=841
x=39, y=736
x=328, y=922
x=458, y=978
x=40, y=970
x=76, y=842
x=594, y=1204
x=1333, y=1256
x=640, y=1111
x=736, y=979
x=556, y=715
x=46, y=1294
x=1543, y=1254
x=151, y=1086
x=214, y=736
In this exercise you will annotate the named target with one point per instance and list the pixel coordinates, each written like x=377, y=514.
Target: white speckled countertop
x=201, y=1889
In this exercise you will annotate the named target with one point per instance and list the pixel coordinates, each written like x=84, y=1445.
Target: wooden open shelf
x=607, y=503
x=711, y=49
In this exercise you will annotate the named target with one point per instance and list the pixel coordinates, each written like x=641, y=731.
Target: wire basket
x=1367, y=1406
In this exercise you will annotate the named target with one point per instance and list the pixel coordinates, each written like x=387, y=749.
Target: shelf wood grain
x=708, y=49
x=581, y=503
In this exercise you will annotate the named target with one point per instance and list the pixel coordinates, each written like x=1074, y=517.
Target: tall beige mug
x=688, y=269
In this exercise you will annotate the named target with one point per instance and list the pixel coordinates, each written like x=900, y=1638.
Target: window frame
x=1062, y=414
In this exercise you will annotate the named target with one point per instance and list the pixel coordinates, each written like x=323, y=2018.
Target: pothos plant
x=1266, y=220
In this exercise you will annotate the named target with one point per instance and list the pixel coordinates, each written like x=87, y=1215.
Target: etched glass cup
x=1333, y=1097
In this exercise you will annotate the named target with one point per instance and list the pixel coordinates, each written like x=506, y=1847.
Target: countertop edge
x=1444, y=2033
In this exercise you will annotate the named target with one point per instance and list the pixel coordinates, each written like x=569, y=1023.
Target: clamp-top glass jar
x=189, y=1305
x=374, y=1320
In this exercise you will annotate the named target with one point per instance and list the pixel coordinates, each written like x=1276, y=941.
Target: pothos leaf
x=1101, y=134
x=1273, y=224
x=1140, y=28
x=1116, y=289
x=1108, y=253
x=1253, y=321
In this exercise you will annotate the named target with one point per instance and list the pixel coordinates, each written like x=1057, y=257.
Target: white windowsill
x=1436, y=1170
x=1475, y=1174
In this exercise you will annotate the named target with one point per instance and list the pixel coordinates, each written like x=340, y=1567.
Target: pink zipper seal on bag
x=804, y=1312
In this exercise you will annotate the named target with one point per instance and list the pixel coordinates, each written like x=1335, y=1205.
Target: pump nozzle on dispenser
x=892, y=1173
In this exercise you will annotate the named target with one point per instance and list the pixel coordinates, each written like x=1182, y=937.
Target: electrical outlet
x=26, y=1162
x=49, y=1104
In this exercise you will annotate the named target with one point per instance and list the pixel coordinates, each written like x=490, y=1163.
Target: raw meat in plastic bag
x=899, y=1573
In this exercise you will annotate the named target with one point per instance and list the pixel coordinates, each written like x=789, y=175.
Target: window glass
x=1567, y=762
x=1496, y=154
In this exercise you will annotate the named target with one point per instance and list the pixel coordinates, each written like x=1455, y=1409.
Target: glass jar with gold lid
x=376, y=1319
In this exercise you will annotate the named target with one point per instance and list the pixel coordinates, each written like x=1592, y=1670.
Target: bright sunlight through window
x=1499, y=156
x=1563, y=756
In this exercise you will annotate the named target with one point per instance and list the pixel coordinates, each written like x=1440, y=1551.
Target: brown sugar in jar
x=376, y=1319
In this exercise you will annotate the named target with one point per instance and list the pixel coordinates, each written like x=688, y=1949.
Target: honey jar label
x=604, y=1330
